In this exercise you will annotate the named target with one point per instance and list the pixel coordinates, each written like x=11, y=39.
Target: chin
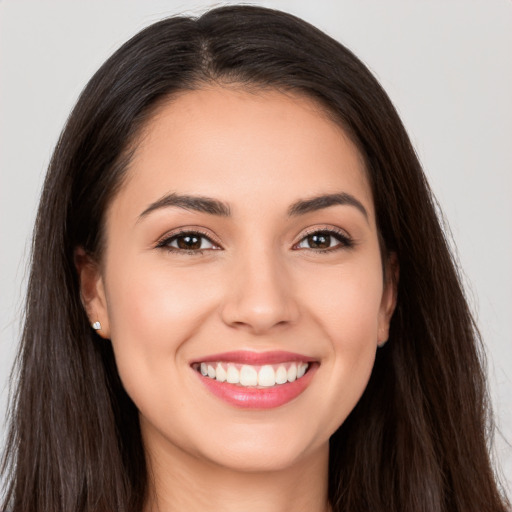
x=264, y=448
x=256, y=460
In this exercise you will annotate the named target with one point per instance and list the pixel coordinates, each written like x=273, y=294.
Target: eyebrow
x=324, y=201
x=195, y=203
x=215, y=207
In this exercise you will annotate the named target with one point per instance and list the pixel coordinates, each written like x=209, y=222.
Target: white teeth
x=220, y=373
x=248, y=376
x=292, y=372
x=281, y=375
x=233, y=375
x=301, y=370
x=266, y=376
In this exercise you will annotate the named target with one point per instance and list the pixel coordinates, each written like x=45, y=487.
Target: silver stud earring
x=96, y=326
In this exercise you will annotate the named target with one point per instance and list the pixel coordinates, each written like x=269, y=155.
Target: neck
x=179, y=481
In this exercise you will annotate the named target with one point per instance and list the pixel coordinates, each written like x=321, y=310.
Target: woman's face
x=244, y=238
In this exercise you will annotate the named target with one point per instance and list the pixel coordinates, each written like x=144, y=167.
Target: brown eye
x=188, y=242
x=319, y=241
x=324, y=240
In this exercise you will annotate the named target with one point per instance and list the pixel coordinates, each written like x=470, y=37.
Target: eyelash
x=345, y=242
x=165, y=243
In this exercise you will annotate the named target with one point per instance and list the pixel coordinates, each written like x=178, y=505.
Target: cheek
x=152, y=314
x=155, y=302
x=346, y=303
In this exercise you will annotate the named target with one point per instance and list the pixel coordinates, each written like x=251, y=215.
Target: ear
x=92, y=291
x=389, y=298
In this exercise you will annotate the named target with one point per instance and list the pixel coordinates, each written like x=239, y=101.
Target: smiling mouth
x=253, y=376
x=256, y=380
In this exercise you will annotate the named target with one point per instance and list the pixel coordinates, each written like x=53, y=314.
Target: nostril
x=257, y=317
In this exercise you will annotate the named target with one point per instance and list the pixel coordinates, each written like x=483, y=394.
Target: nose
x=260, y=295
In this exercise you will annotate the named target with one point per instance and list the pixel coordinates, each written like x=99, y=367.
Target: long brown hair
x=417, y=441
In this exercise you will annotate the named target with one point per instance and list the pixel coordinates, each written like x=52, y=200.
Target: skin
x=259, y=285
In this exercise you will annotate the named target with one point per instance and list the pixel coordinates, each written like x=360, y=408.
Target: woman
x=240, y=295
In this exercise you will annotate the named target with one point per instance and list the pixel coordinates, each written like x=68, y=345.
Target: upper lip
x=255, y=358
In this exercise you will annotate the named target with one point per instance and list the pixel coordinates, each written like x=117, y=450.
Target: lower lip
x=258, y=398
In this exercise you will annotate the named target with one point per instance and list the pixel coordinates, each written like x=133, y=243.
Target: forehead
x=231, y=143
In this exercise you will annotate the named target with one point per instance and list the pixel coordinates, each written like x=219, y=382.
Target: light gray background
x=447, y=65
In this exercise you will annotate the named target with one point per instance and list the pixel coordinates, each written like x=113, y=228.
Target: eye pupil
x=319, y=241
x=189, y=242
